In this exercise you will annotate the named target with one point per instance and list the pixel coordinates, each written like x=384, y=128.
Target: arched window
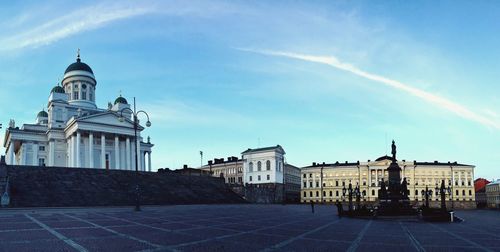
x=463, y=192
x=250, y=167
x=470, y=192
x=416, y=192
x=456, y=192
x=305, y=194
x=337, y=193
x=268, y=165
x=317, y=193
x=259, y=166
x=373, y=192
x=310, y=194
x=331, y=193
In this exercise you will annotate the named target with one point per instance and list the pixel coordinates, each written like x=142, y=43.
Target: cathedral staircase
x=33, y=186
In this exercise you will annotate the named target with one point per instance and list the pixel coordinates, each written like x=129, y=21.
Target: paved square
x=237, y=228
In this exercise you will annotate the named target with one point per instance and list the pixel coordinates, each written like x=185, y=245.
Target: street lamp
x=427, y=193
x=136, y=125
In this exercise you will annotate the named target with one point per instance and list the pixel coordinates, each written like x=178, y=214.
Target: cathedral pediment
x=108, y=118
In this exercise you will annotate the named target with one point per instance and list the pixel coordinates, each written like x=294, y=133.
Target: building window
x=250, y=167
x=304, y=176
x=90, y=96
x=317, y=184
x=259, y=166
x=343, y=183
x=463, y=192
x=337, y=193
x=310, y=175
x=250, y=178
x=336, y=183
x=317, y=193
x=41, y=162
x=41, y=148
x=258, y=177
x=75, y=95
x=305, y=194
x=456, y=193
x=268, y=165
x=331, y=193
x=305, y=184
x=373, y=192
x=84, y=95
x=310, y=194
x=310, y=184
x=268, y=177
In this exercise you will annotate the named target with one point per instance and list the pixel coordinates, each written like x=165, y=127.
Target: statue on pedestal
x=404, y=189
x=393, y=152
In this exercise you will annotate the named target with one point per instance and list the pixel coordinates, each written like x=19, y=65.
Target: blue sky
x=326, y=80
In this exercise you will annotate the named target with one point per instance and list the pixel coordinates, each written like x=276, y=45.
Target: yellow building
x=324, y=182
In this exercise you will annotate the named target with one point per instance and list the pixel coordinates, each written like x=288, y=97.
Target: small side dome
x=58, y=89
x=121, y=100
x=42, y=114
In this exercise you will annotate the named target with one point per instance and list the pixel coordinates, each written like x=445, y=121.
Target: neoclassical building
x=323, y=182
x=74, y=132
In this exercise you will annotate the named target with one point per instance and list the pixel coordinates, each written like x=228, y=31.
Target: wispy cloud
x=440, y=101
x=169, y=111
x=84, y=19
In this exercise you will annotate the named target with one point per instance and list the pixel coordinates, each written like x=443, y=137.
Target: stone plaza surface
x=237, y=228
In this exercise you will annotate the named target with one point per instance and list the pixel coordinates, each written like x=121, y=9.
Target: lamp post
x=136, y=125
x=357, y=193
x=427, y=193
x=442, y=191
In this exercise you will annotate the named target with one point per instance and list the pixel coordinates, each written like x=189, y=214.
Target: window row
x=259, y=178
x=259, y=166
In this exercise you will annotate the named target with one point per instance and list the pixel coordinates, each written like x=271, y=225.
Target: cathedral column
x=23, y=154
x=91, y=150
x=51, y=153
x=137, y=151
x=73, y=157
x=11, y=153
x=70, y=147
x=117, y=153
x=35, y=154
x=103, y=151
x=149, y=161
x=127, y=153
x=78, y=139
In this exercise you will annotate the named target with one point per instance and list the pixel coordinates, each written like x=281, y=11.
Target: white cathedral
x=74, y=132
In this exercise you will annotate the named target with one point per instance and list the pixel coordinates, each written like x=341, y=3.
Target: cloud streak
x=72, y=23
x=439, y=101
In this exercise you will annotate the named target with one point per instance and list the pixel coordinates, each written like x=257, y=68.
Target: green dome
x=42, y=114
x=58, y=89
x=121, y=100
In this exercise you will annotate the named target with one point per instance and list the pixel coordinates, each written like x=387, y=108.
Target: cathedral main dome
x=78, y=66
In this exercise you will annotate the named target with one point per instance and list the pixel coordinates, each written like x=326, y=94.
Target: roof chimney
x=314, y=163
x=185, y=166
x=210, y=162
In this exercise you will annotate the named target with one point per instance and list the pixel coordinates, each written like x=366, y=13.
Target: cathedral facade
x=74, y=132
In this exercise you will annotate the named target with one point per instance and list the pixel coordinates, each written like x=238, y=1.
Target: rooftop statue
x=393, y=150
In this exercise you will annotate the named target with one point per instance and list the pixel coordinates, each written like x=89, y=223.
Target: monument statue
x=404, y=189
x=383, y=189
x=393, y=150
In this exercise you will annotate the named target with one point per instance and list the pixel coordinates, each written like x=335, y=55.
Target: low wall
x=33, y=186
